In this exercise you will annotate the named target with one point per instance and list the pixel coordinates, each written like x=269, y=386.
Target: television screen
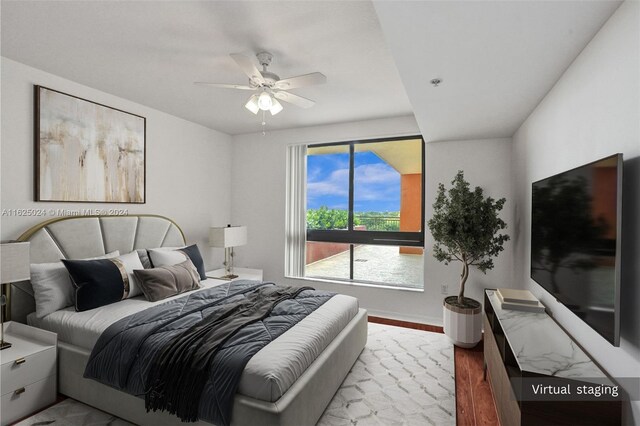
x=575, y=241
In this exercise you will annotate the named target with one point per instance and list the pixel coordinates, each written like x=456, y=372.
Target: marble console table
x=521, y=346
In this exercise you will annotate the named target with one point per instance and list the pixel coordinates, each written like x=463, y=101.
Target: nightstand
x=242, y=273
x=28, y=371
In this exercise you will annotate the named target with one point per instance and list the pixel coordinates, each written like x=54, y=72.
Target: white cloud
x=372, y=182
x=337, y=183
x=376, y=182
x=376, y=173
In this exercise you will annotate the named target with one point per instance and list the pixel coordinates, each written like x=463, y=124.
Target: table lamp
x=14, y=267
x=228, y=237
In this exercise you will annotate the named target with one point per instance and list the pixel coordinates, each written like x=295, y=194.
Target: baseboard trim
x=418, y=319
x=406, y=324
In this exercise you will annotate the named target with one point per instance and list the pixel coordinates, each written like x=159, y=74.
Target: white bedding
x=84, y=328
x=268, y=374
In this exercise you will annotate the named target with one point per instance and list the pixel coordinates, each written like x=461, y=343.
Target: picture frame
x=87, y=152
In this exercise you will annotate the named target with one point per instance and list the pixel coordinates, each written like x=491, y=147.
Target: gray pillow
x=52, y=287
x=165, y=281
x=144, y=258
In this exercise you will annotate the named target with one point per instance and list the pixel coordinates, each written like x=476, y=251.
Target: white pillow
x=166, y=257
x=143, y=254
x=162, y=257
x=132, y=261
x=52, y=287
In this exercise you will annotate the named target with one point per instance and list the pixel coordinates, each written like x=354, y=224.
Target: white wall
x=188, y=165
x=258, y=201
x=486, y=164
x=592, y=111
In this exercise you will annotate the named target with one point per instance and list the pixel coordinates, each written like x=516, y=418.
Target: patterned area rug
x=72, y=413
x=403, y=377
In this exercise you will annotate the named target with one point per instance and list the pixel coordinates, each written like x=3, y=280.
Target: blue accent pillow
x=196, y=258
x=97, y=282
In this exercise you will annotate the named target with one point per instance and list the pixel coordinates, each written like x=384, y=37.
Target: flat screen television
x=575, y=241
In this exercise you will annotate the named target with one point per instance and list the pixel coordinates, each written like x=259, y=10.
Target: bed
x=288, y=382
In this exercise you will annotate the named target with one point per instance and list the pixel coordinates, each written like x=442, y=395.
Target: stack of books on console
x=519, y=300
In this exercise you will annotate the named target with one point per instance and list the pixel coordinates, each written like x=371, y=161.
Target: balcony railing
x=378, y=223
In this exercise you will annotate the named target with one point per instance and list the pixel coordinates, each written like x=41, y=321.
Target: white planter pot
x=463, y=325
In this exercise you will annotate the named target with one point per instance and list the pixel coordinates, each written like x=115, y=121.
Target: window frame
x=351, y=236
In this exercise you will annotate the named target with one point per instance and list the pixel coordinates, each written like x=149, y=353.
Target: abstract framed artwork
x=86, y=151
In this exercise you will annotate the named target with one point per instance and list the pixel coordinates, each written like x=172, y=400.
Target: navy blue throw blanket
x=179, y=371
x=125, y=353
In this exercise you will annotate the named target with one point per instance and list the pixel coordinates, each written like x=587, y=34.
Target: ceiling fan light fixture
x=252, y=104
x=265, y=101
x=276, y=107
x=268, y=86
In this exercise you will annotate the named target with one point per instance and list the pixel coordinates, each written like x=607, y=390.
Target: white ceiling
x=151, y=52
x=497, y=59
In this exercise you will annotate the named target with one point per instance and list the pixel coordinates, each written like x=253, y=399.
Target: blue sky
x=377, y=185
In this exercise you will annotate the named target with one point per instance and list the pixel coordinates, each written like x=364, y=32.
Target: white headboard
x=79, y=237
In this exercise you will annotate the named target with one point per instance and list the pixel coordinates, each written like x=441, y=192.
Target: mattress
x=269, y=373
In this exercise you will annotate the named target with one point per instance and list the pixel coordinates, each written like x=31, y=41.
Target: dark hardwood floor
x=406, y=324
x=474, y=399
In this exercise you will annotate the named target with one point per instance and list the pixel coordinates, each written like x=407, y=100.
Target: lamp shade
x=229, y=236
x=265, y=101
x=276, y=107
x=252, y=104
x=15, y=262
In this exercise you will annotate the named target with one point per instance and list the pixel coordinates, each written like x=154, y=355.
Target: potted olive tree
x=466, y=228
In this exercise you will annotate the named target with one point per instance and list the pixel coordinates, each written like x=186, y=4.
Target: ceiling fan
x=268, y=86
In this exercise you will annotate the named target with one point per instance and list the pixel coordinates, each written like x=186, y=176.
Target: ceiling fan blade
x=294, y=99
x=301, y=81
x=225, y=86
x=247, y=66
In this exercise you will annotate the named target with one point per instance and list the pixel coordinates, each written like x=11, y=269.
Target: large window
x=365, y=211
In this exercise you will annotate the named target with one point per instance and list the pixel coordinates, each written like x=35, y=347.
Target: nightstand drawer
x=30, y=369
x=23, y=401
